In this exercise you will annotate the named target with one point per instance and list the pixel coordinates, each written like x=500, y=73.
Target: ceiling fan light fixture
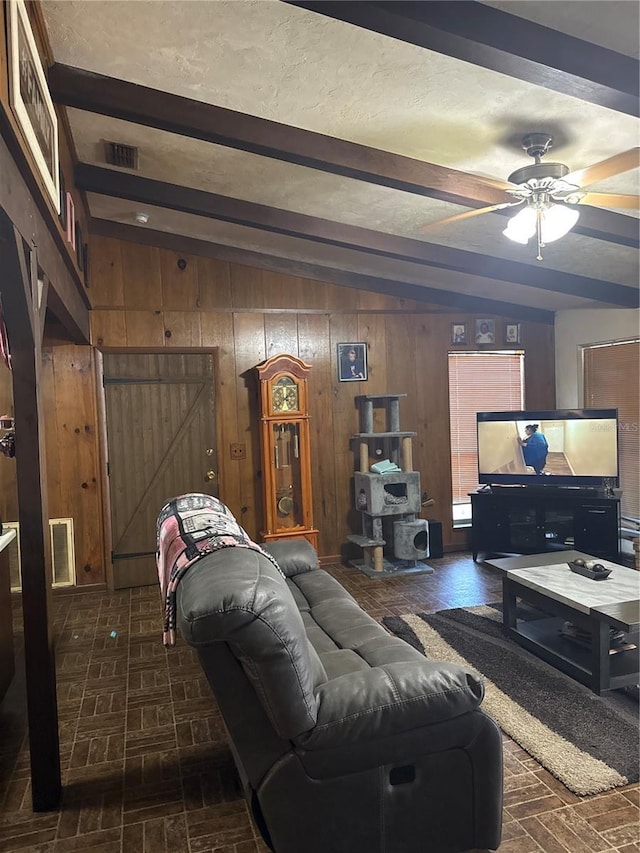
x=558, y=220
x=522, y=226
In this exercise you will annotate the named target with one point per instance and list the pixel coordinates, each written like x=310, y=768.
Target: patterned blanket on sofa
x=188, y=528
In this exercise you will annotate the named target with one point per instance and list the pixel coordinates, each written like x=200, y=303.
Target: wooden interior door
x=161, y=443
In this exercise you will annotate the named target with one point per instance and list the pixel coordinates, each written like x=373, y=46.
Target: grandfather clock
x=286, y=455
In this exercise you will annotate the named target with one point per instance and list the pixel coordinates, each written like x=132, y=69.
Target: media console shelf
x=519, y=520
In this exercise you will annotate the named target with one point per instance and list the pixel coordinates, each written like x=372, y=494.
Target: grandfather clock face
x=285, y=395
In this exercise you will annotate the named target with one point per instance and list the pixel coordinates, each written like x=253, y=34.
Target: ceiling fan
x=545, y=193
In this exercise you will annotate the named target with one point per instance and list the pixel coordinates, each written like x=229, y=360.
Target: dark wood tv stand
x=525, y=520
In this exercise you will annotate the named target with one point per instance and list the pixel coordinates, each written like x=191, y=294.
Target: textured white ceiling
x=197, y=164
x=293, y=66
x=279, y=62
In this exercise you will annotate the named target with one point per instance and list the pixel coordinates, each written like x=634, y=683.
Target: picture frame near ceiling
x=71, y=221
x=62, y=213
x=352, y=362
x=30, y=100
x=512, y=333
x=485, y=331
x=458, y=333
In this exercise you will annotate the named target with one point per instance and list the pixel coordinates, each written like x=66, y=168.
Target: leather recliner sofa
x=346, y=739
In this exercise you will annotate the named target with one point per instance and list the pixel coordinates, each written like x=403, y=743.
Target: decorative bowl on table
x=590, y=569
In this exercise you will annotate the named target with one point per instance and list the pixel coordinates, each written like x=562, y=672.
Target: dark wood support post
x=23, y=309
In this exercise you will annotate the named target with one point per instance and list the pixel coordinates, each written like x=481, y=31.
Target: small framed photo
x=352, y=362
x=485, y=331
x=63, y=200
x=512, y=333
x=458, y=333
x=71, y=222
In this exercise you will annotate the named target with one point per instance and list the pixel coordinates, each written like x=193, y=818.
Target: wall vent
x=62, y=552
x=119, y=154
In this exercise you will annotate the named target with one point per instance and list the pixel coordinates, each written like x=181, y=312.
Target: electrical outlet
x=238, y=451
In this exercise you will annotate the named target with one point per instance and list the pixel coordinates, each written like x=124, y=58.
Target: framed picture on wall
x=458, y=333
x=71, y=222
x=30, y=100
x=485, y=331
x=512, y=333
x=62, y=215
x=352, y=362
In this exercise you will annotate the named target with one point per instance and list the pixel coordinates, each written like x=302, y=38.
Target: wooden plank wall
x=140, y=295
x=142, y=299
x=67, y=378
x=72, y=449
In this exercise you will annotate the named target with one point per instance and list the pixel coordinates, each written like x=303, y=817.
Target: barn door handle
x=210, y=475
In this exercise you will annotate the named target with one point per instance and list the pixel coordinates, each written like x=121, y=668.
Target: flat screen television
x=565, y=447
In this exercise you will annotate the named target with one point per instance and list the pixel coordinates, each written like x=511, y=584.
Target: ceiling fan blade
x=494, y=183
x=468, y=214
x=611, y=200
x=605, y=168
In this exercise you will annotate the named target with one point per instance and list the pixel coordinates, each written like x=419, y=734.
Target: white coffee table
x=594, y=606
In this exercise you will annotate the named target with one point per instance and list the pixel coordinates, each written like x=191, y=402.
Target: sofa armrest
x=389, y=699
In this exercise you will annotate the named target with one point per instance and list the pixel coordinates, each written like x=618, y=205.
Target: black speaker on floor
x=435, y=539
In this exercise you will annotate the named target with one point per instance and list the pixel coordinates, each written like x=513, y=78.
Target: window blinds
x=478, y=382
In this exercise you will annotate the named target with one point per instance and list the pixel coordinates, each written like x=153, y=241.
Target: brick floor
x=146, y=767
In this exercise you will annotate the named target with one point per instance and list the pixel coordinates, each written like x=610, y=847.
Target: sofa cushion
x=335, y=621
x=382, y=701
x=292, y=555
x=377, y=685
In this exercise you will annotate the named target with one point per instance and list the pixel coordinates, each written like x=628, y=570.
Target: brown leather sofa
x=346, y=739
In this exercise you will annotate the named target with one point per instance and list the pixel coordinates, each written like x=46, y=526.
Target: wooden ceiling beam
x=85, y=90
x=488, y=37
x=188, y=200
x=317, y=272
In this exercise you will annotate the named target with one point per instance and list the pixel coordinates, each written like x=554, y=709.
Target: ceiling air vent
x=119, y=154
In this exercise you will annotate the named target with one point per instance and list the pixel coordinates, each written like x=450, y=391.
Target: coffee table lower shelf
x=594, y=667
x=542, y=638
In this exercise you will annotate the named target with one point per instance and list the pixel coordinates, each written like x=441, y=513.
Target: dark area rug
x=588, y=742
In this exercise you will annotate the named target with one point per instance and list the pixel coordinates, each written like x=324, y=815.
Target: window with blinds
x=610, y=381
x=478, y=382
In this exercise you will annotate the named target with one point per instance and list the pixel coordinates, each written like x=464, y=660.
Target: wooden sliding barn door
x=161, y=443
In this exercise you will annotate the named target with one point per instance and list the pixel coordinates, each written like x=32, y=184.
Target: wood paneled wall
x=143, y=299
x=74, y=488
x=72, y=449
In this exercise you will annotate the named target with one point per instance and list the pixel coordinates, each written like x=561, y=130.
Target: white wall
x=586, y=326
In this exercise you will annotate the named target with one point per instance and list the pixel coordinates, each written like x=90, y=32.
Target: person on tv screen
x=534, y=448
